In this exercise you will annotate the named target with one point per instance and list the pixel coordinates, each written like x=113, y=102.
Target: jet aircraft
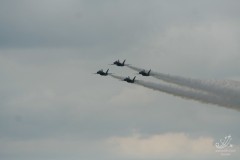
x=144, y=73
x=129, y=80
x=118, y=63
x=102, y=73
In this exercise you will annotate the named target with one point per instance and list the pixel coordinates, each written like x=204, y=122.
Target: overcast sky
x=53, y=108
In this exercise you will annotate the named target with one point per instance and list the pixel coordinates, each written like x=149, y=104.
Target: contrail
x=187, y=93
x=227, y=88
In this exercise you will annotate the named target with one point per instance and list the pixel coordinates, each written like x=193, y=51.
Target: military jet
x=127, y=79
x=103, y=73
x=144, y=73
x=118, y=63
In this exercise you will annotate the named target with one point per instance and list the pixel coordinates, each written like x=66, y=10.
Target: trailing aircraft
x=144, y=73
x=118, y=63
x=129, y=80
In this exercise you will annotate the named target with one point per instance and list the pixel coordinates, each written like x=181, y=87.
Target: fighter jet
x=118, y=63
x=127, y=79
x=103, y=73
x=144, y=73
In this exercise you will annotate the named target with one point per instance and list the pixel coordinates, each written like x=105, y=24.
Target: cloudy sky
x=53, y=108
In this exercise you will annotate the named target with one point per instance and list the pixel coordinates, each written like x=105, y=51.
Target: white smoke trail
x=189, y=94
x=117, y=77
x=227, y=88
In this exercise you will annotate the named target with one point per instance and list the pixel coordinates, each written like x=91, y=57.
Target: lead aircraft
x=102, y=73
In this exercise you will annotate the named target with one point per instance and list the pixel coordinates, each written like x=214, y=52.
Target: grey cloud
x=107, y=25
x=49, y=50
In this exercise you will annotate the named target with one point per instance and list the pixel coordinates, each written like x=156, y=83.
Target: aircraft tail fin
x=124, y=61
x=134, y=78
x=149, y=72
x=107, y=71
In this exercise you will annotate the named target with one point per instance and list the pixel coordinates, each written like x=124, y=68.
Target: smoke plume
x=189, y=93
x=225, y=88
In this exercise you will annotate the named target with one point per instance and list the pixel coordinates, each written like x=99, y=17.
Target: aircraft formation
x=121, y=64
x=195, y=89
